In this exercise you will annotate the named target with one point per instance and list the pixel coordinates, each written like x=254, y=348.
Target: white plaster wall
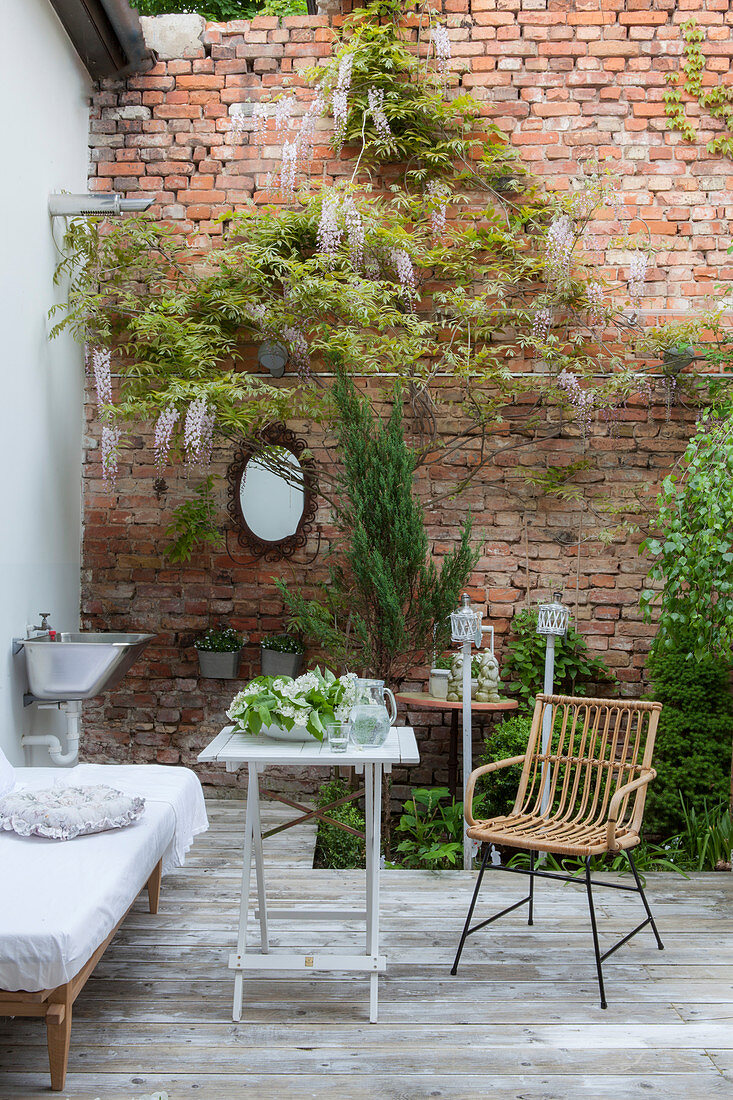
x=44, y=122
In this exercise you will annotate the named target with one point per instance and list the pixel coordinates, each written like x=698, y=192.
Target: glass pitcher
x=370, y=719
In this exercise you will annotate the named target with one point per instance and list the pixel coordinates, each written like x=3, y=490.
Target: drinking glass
x=338, y=736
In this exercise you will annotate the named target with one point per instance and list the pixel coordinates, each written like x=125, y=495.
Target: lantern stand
x=466, y=628
x=552, y=622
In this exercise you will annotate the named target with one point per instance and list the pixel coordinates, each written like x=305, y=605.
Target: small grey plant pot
x=275, y=663
x=219, y=666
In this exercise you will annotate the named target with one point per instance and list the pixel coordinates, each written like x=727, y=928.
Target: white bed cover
x=60, y=899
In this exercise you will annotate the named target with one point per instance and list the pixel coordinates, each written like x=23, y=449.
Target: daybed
x=63, y=901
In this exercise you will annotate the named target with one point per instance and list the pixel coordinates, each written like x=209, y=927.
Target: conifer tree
x=385, y=593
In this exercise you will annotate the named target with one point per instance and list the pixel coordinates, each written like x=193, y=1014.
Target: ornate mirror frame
x=277, y=435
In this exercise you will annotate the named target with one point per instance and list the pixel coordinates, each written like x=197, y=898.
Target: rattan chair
x=582, y=795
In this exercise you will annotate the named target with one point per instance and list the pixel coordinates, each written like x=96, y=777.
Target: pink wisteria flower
x=198, y=432
x=594, y=293
x=164, y=426
x=403, y=266
x=340, y=100
x=376, y=109
x=299, y=350
x=637, y=276
x=110, y=450
x=559, y=247
x=441, y=44
x=101, y=366
x=355, y=233
x=329, y=230
x=438, y=196
x=583, y=401
x=542, y=323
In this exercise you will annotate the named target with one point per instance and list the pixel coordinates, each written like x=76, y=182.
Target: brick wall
x=564, y=79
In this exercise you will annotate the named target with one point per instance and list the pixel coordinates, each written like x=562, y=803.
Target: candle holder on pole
x=466, y=628
x=552, y=622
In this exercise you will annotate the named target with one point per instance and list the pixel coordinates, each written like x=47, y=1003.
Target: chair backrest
x=580, y=752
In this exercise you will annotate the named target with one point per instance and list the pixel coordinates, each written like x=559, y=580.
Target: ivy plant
x=717, y=100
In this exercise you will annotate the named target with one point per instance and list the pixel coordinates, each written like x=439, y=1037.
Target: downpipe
x=72, y=710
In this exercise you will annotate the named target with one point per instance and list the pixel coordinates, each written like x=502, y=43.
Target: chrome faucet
x=45, y=625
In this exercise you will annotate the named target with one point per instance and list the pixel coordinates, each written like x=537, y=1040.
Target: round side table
x=420, y=700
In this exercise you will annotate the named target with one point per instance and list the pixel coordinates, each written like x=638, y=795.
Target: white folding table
x=237, y=749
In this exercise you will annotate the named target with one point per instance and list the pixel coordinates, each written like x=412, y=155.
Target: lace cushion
x=7, y=775
x=62, y=813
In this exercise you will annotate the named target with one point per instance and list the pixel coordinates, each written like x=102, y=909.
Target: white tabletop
x=230, y=747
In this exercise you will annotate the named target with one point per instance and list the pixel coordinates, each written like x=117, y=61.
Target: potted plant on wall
x=219, y=652
x=282, y=655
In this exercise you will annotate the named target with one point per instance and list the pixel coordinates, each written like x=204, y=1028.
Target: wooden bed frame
x=55, y=1005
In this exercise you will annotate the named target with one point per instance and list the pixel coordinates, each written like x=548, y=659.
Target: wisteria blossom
x=239, y=122
x=164, y=436
x=594, y=293
x=403, y=267
x=340, y=100
x=355, y=233
x=110, y=448
x=438, y=195
x=101, y=365
x=376, y=109
x=198, y=432
x=637, y=276
x=559, y=247
x=329, y=230
x=299, y=350
x=441, y=44
x=582, y=401
x=542, y=323
x=289, y=169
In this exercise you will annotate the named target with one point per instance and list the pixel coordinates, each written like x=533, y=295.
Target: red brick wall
x=563, y=79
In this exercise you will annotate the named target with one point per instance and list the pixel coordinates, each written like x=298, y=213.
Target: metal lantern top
x=553, y=617
x=465, y=623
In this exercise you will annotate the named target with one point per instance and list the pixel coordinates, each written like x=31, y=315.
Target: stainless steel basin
x=80, y=666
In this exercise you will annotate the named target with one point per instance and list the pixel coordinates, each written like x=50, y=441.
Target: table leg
x=260, y=872
x=249, y=830
x=373, y=783
x=453, y=755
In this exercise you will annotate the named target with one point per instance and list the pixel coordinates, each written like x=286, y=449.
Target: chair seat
x=545, y=834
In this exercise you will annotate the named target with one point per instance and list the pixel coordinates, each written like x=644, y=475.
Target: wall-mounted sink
x=80, y=666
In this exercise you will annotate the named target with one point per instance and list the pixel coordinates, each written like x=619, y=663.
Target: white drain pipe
x=72, y=710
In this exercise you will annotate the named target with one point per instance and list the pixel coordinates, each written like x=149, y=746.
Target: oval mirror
x=272, y=494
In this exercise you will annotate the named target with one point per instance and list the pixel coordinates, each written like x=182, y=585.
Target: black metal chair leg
x=594, y=927
x=530, y=919
x=640, y=888
x=472, y=906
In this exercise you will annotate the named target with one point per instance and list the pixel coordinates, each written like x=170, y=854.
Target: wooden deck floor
x=521, y=1021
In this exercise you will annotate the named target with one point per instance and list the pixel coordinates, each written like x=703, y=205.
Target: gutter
x=107, y=36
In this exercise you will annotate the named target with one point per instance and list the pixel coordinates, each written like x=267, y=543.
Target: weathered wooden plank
x=705, y=1082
